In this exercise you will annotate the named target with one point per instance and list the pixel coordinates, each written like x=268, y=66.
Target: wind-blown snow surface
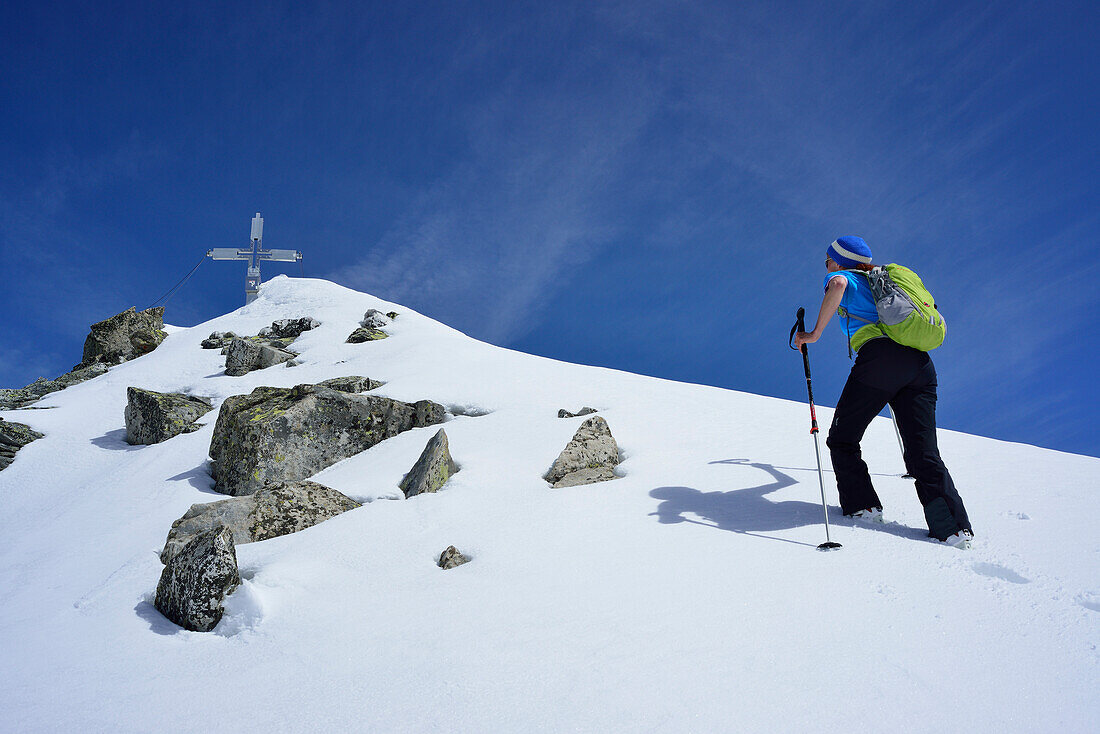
x=685, y=596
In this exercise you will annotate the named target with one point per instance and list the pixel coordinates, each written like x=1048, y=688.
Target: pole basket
x=829, y=546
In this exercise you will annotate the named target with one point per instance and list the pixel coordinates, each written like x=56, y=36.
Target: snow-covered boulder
x=245, y=355
x=374, y=319
x=290, y=328
x=432, y=470
x=272, y=511
x=285, y=434
x=197, y=579
x=152, y=417
x=124, y=336
x=590, y=456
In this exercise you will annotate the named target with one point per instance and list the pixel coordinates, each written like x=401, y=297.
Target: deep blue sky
x=649, y=186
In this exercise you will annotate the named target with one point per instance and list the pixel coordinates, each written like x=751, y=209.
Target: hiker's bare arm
x=829, y=304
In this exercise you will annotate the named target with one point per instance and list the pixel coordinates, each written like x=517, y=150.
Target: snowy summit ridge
x=684, y=595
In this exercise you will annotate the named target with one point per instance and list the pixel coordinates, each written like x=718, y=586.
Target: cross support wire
x=254, y=254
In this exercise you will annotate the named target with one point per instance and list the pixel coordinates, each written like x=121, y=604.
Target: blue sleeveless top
x=857, y=301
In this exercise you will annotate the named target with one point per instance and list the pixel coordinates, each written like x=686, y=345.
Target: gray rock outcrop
x=152, y=417
x=591, y=456
x=276, y=435
x=218, y=340
x=432, y=470
x=195, y=582
x=563, y=413
x=272, y=511
x=18, y=398
x=124, y=336
x=14, y=436
x=451, y=558
x=245, y=355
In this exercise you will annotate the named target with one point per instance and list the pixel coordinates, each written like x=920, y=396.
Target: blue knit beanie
x=849, y=251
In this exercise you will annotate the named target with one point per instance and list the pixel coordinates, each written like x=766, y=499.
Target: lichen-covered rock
x=197, y=579
x=365, y=334
x=13, y=399
x=152, y=417
x=290, y=328
x=284, y=434
x=352, y=384
x=245, y=355
x=432, y=470
x=563, y=413
x=374, y=319
x=124, y=336
x=272, y=511
x=590, y=456
x=14, y=436
x=391, y=315
x=451, y=558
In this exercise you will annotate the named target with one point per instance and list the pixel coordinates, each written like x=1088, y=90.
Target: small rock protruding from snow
x=432, y=470
x=245, y=355
x=365, y=334
x=374, y=319
x=273, y=511
x=218, y=340
x=152, y=417
x=591, y=456
x=370, y=328
x=451, y=558
x=197, y=579
x=563, y=413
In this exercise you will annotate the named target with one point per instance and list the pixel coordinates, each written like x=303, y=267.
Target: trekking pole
x=897, y=431
x=828, y=545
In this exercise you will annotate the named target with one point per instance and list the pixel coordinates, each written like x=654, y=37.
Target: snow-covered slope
x=685, y=596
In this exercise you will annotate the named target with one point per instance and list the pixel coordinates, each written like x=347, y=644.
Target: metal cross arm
x=254, y=254
x=232, y=253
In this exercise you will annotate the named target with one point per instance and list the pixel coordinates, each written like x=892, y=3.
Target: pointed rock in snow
x=590, y=456
x=432, y=470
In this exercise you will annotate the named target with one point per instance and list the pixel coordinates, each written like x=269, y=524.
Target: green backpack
x=907, y=312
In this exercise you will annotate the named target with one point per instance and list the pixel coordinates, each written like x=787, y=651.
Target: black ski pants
x=886, y=372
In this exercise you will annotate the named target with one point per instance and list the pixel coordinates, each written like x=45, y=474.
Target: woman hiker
x=884, y=372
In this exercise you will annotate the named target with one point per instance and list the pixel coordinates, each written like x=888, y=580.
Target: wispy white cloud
x=527, y=203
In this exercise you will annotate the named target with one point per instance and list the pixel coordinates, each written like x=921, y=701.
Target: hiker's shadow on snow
x=199, y=478
x=740, y=510
x=748, y=511
x=115, y=440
